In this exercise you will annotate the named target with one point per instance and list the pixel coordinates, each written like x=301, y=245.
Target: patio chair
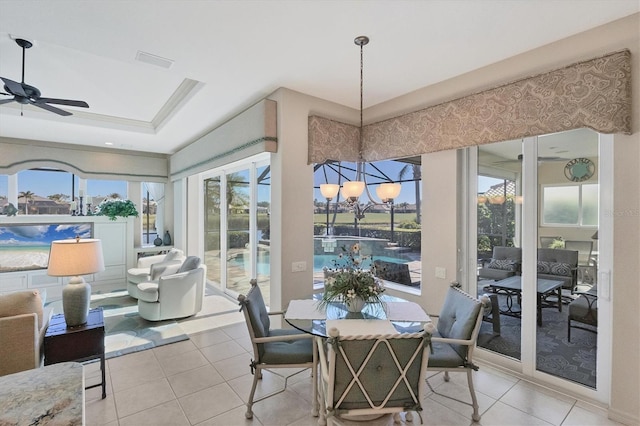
x=453, y=344
x=373, y=374
x=275, y=348
x=504, y=263
x=586, y=264
x=584, y=310
x=546, y=242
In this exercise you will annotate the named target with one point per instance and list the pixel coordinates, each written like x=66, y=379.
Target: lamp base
x=75, y=302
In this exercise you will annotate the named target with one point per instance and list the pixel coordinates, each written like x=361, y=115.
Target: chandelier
x=352, y=190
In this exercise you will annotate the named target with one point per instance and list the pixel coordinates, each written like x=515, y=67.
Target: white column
x=12, y=189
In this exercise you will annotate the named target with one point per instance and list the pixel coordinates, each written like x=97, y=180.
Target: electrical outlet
x=441, y=273
x=299, y=266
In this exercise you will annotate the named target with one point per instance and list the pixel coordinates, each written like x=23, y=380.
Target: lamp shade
x=388, y=191
x=352, y=189
x=329, y=190
x=75, y=257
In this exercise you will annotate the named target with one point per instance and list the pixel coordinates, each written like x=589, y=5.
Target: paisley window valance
x=595, y=94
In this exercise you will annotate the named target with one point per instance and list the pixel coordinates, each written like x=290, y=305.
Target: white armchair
x=177, y=295
x=149, y=268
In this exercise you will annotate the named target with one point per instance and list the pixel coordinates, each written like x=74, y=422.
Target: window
x=52, y=191
x=389, y=234
x=573, y=205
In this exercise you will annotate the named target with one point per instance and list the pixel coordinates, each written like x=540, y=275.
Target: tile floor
x=205, y=381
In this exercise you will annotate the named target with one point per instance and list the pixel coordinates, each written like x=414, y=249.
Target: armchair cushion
x=457, y=319
x=168, y=267
x=444, y=356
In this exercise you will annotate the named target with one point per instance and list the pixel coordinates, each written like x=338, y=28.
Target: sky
x=47, y=183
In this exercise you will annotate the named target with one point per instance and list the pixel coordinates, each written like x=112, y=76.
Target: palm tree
x=28, y=195
x=58, y=197
x=417, y=175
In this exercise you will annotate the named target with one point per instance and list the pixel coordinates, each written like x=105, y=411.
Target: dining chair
x=453, y=343
x=275, y=348
x=372, y=374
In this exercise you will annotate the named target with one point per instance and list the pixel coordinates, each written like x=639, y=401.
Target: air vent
x=153, y=59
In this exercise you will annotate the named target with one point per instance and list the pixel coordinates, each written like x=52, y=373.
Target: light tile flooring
x=206, y=380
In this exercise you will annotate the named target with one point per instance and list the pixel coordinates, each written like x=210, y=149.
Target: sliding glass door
x=237, y=207
x=536, y=221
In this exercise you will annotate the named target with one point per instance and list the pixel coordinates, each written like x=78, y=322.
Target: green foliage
x=347, y=280
x=114, y=208
x=409, y=225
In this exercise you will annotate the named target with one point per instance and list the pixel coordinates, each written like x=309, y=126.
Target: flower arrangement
x=113, y=207
x=348, y=282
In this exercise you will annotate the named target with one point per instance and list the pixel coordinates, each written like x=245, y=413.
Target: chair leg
x=408, y=416
x=397, y=419
x=474, y=401
x=257, y=375
x=446, y=376
x=569, y=330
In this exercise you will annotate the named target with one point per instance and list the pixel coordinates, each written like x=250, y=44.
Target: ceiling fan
x=26, y=94
x=540, y=159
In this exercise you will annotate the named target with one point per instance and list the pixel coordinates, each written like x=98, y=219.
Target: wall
x=620, y=34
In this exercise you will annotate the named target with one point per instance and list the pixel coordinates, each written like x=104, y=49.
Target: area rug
x=575, y=360
x=126, y=331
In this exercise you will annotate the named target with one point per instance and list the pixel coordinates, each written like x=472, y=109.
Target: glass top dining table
x=309, y=316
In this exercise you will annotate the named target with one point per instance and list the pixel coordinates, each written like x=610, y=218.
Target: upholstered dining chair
x=275, y=348
x=373, y=374
x=453, y=343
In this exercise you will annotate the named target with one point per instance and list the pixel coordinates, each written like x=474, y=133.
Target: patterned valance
x=595, y=94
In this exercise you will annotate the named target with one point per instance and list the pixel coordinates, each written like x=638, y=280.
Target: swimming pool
x=320, y=261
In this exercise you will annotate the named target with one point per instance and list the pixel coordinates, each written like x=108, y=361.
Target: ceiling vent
x=153, y=59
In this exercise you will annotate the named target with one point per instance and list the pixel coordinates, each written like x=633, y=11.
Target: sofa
x=23, y=324
x=560, y=265
x=150, y=268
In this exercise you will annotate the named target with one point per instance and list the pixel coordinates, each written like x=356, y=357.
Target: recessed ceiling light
x=153, y=59
x=108, y=143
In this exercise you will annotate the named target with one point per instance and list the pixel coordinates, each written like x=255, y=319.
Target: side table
x=80, y=344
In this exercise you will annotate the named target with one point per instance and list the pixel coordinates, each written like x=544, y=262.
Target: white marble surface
x=52, y=395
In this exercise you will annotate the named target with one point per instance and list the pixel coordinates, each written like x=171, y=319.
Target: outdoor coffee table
x=512, y=286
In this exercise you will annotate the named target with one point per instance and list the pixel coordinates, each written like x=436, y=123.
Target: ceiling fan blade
x=6, y=101
x=51, y=108
x=68, y=102
x=14, y=87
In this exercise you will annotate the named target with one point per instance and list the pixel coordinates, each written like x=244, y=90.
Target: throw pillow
x=544, y=267
x=190, y=263
x=22, y=302
x=503, y=264
x=174, y=254
x=562, y=269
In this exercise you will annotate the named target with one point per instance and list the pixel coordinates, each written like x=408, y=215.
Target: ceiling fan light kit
x=26, y=94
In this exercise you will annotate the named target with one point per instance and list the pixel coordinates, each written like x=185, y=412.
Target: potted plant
x=350, y=283
x=114, y=207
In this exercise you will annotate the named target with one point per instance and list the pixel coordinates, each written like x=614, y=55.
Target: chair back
x=375, y=374
x=584, y=249
x=255, y=315
x=460, y=318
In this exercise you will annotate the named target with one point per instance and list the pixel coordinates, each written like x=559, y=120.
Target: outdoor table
x=545, y=287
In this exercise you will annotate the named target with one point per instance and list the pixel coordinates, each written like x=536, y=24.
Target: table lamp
x=73, y=258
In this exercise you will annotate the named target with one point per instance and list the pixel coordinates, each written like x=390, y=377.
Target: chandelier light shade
x=329, y=190
x=352, y=190
x=388, y=191
x=73, y=258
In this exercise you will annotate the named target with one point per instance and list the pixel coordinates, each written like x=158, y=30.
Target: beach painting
x=26, y=247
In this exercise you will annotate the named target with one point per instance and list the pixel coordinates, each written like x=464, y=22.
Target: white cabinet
x=117, y=249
